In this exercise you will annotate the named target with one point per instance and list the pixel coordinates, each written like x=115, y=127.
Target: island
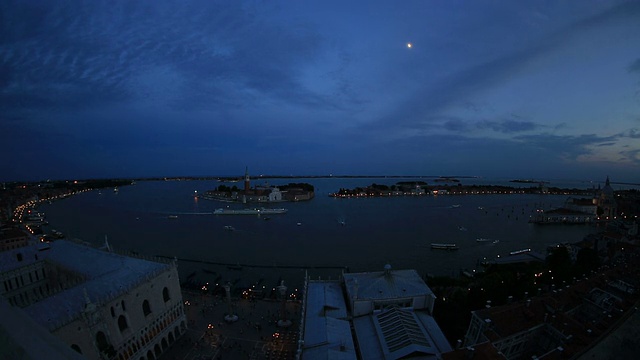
x=261, y=193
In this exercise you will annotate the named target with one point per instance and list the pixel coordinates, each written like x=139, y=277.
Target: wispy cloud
x=508, y=126
x=635, y=66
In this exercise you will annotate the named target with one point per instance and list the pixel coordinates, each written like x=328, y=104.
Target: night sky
x=535, y=89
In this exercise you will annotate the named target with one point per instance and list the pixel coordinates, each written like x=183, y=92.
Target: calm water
x=377, y=231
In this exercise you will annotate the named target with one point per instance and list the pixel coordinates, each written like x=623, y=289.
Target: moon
x=409, y=45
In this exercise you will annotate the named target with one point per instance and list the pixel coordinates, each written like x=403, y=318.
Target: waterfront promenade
x=254, y=336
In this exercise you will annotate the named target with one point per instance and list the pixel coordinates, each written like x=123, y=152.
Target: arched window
x=123, y=307
x=122, y=323
x=113, y=312
x=165, y=294
x=101, y=341
x=146, y=309
x=76, y=348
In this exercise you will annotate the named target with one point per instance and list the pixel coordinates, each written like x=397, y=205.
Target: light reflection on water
x=376, y=231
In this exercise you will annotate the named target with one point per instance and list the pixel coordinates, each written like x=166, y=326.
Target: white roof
x=389, y=284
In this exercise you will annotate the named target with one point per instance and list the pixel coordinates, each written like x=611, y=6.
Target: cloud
x=508, y=126
x=635, y=66
x=631, y=133
x=84, y=55
x=434, y=98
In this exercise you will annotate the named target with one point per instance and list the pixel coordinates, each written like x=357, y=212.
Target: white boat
x=455, y=206
x=462, y=228
x=254, y=211
x=172, y=216
x=229, y=228
x=482, y=239
x=441, y=246
x=518, y=252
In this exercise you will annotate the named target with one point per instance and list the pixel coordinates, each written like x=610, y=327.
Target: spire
x=247, y=180
x=607, y=182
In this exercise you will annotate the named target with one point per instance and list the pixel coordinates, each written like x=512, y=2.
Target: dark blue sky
x=536, y=89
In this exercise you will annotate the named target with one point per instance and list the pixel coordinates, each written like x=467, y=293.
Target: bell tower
x=247, y=180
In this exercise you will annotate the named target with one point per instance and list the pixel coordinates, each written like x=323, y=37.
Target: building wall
x=35, y=281
x=141, y=321
x=362, y=307
x=13, y=239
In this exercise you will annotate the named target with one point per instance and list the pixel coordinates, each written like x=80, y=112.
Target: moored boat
x=254, y=211
x=518, y=252
x=444, y=246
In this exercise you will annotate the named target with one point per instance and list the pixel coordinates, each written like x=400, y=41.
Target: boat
x=115, y=189
x=455, y=206
x=229, y=228
x=254, y=211
x=172, y=216
x=518, y=252
x=482, y=239
x=480, y=207
x=462, y=228
x=444, y=246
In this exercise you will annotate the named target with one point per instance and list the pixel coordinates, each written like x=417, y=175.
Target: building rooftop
x=22, y=338
x=385, y=284
x=107, y=275
x=327, y=332
x=399, y=333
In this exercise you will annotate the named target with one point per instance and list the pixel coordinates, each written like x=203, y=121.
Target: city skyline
x=540, y=90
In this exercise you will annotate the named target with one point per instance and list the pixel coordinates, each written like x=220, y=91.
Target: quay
x=241, y=265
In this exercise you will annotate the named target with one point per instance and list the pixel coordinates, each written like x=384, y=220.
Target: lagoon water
x=376, y=231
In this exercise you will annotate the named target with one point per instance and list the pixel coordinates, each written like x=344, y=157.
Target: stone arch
x=164, y=343
x=183, y=325
x=171, y=338
x=150, y=355
x=157, y=350
x=176, y=332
